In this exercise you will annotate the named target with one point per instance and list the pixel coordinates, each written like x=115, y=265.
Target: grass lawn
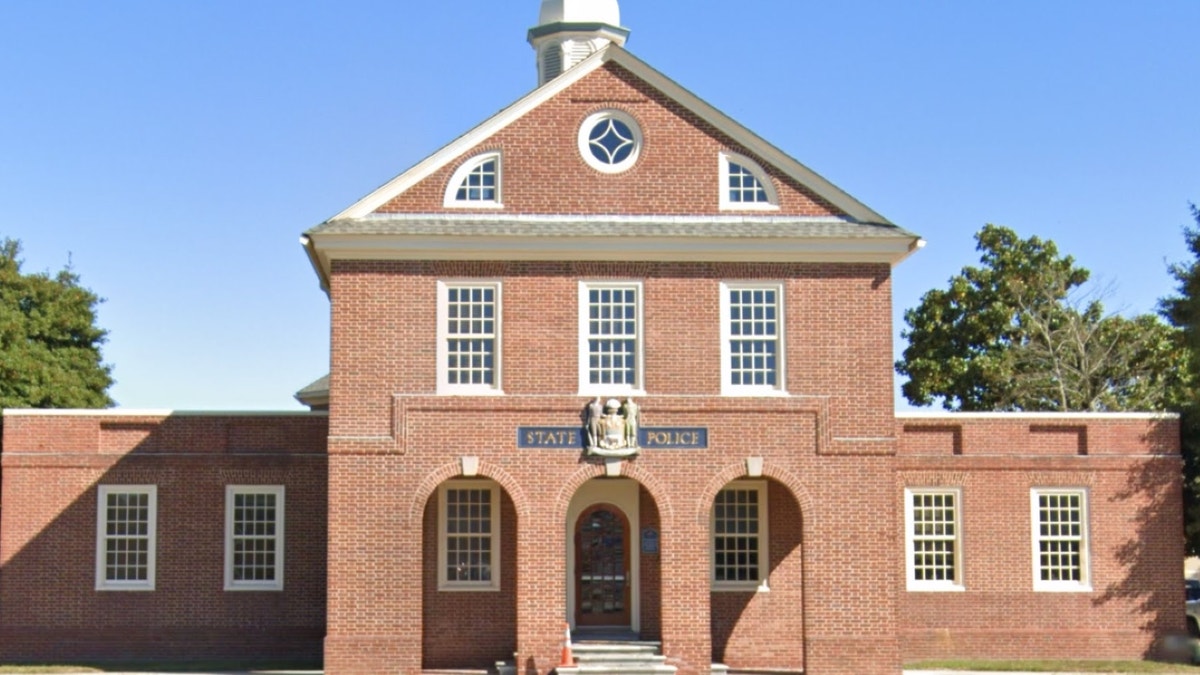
x=1057, y=666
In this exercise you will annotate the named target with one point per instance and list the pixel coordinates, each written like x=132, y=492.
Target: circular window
x=610, y=141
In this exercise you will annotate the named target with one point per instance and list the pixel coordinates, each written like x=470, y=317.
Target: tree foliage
x=1183, y=311
x=49, y=341
x=1019, y=332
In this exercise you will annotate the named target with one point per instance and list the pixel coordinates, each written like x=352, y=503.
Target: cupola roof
x=580, y=11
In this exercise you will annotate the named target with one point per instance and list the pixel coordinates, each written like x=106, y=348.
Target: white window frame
x=727, y=386
x=761, y=584
x=102, y=582
x=445, y=583
x=451, y=200
x=584, y=141
x=1085, y=580
x=586, y=387
x=910, y=537
x=444, y=387
x=772, y=203
x=275, y=584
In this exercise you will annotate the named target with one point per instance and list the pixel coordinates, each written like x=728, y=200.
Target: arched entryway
x=469, y=583
x=603, y=570
x=756, y=567
x=613, y=574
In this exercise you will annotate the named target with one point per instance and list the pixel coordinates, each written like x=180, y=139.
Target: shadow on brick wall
x=53, y=467
x=1155, y=540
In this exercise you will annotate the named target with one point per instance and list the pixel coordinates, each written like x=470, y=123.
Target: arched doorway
x=603, y=567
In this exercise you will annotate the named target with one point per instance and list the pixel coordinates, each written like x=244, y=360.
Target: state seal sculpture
x=611, y=428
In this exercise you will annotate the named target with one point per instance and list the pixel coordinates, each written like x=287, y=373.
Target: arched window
x=476, y=184
x=744, y=185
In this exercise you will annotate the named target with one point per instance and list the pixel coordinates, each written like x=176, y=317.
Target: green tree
x=1183, y=311
x=49, y=341
x=1018, y=332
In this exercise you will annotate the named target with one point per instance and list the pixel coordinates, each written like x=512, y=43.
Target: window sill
x=449, y=588
x=748, y=206
x=914, y=587
x=1061, y=588
x=491, y=206
x=740, y=587
x=489, y=391
x=749, y=392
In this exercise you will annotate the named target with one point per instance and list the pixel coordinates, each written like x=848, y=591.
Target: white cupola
x=569, y=31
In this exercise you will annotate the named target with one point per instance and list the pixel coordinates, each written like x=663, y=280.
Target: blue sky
x=175, y=150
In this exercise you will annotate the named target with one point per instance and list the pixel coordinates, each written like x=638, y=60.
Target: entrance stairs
x=615, y=654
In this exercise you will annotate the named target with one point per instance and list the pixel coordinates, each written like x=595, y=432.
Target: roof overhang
x=614, y=239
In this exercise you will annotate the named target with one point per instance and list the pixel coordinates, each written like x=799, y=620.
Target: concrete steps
x=617, y=657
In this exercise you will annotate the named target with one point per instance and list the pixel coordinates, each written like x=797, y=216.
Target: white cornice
x=154, y=412
x=617, y=249
x=949, y=415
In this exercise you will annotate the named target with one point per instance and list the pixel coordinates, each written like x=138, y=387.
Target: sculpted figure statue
x=595, y=423
x=630, y=410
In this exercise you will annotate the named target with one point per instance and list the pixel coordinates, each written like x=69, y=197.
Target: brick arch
x=629, y=470
x=738, y=470
x=453, y=469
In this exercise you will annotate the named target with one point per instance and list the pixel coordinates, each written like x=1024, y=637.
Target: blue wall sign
x=649, y=438
x=649, y=540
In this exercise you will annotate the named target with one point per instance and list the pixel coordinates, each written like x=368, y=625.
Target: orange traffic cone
x=567, y=658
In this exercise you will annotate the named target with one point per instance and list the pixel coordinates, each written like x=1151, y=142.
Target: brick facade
x=364, y=534
x=52, y=466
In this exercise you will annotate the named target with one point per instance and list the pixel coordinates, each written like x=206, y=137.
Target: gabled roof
x=856, y=234
x=613, y=54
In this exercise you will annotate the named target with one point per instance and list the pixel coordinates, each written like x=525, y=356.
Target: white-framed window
x=740, y=555
x=468, y=337
x=469, y=536
x=610, y=141
x=254, y=527
x=933, y=538
x=751, y=338
x=1060, y=539
x=610, y=338
x=744, y=185
x=476, y=184
x=126, y=517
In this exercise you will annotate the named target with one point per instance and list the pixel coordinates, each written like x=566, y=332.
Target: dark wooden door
x=602, y=567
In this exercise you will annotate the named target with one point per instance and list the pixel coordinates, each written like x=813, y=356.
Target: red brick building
x=609, y=359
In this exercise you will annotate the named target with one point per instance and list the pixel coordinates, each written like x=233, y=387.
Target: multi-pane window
x=254, y=537
x=469, y=316
x=479, y=184
x=752, y=347
x=933, y=538
x=476, y=183
x=611, y=332
x=1060, y=552
x=125, y=537
x=739, y=536
x=744, y=185
x=469, y=517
